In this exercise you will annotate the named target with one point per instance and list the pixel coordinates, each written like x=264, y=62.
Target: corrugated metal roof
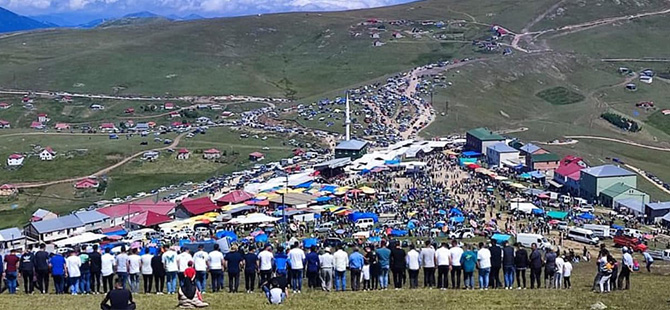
x=607, y=171
x=59, y=223
x=502, y=148
x=351, y=145
x=530, y=148
x=10, y=234
x=659, y=205
x=88, y=217
x=484, y=134
x=616, y=190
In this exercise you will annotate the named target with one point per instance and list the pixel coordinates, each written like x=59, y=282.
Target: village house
x=5, y=105
x=87, y=183
x=498, y=153
x=142, y=126
x=47, y=154
x=527, y=150
x=36, y=125
x=42, y=214
x=566, y=176
x=479, y=139
x=546, y=163
x=378, y=43
x=62, y=126
x=150, y=155
x=595, y=180
x=15, y=160
x=397, y=35
x=26, y=99
x=93, y=220
x=211, y=154
x=174, y=114
x=183, y=154
x=120, y=213
x=108, y=127
x=42, y=118
x=168, y=106
x=8, y=190
x=617, y=192
x=129, y=111
x=66, y=99
x=5, y=124
x=96, y=107
x=256, y=156
x=226, y=114
x=54, y=229
x=192, y=207
x=655, y=211
x=203, y=120
x=12, y=238
x=351, y=148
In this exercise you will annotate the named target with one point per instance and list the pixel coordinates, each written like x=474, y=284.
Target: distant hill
x=143, y=14
x=10, y=21
x=128, y=21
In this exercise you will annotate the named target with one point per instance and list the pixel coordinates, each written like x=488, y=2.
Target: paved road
x=644, y=175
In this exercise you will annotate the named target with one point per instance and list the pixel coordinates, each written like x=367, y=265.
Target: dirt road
x=642, y=174
x=656, y=148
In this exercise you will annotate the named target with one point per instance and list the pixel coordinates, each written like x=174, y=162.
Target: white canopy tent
x=253, y=218
x=83, y=238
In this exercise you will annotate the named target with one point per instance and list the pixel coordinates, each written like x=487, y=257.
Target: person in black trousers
x=96, y=269
x=496, y=265
x=521, y=263
x=398, y=265
x=42, y=269
x=375, y=267
x=250, y=269
x=535, y=266
x=27, y=268
x=158, y=271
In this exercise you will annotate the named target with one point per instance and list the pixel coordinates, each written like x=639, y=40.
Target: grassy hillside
x=298, y=54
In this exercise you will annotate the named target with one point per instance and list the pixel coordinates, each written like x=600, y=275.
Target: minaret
x=347, y=121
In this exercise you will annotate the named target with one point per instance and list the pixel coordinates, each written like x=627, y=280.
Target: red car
x=632, y=243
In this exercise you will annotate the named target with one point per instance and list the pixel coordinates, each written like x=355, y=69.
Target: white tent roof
x=83, y=238
x=253, y=218
x=293, y=180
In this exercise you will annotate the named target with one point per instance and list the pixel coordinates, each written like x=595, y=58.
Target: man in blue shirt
x=313, y=267
x=356, y=261
x=281, y=260
x=57, y=264
x=384, y=257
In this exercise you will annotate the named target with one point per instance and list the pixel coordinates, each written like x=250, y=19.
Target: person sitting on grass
x=276, y=289
x=119, y=298
x=189, y=296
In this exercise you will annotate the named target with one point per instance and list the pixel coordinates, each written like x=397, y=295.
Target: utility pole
x=347, y=121
x=446, y=103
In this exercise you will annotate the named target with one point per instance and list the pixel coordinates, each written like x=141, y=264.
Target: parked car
x=463, y=233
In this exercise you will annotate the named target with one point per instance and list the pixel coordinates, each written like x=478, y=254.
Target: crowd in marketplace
x=411, y=232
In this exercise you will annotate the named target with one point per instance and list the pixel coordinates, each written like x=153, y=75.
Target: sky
x=207, y=8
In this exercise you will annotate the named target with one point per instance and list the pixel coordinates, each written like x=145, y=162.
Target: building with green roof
x=479, y=139
x=621, y=191
x=546, y=162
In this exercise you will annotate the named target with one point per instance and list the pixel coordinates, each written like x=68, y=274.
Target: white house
x=55, y=229
x=203, y=120
x=5, y=124
x=47, y=154
x=183, y=154
x=500, y=152
x=15, y=160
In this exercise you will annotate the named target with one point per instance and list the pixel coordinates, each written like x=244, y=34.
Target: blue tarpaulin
x=309, y=242
x=617, y=227
x=440, y=224
x=466, y=161
x=471, y=154
x=455, y=211
x=365, y=171
x=411, y=225
x=307, y=184
x=394, y=161
x=329, y=188
x=120, y=232
x=324, y=199
x=537, y=174
x=398, y=233
x=261, y=238
x=457, y=219
x=500, y=238
x=228, y=234
x=525, y=175
x=538, y=211
x=375, y=239
x=586, y=216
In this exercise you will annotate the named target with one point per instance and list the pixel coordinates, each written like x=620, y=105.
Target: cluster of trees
x=621, y=122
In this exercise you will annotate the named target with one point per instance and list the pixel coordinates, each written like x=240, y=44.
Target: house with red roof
x=129, y=111
x=567, y=175
x=183, y=154
x=5, y=105
x=8, y=190
x=174, y=114
x=192, y=207
x=168, y=106
x=256, y=156
x=148, y=219
x=108, y=127
x=236, y=196
x=47, y=154
x=62, y=126
x=42, y=118
x=87, y=183
x=15, y=160
x=211, y=154
x=37, y=125
x=119, y=214
x=5, y=124
x=27, y=99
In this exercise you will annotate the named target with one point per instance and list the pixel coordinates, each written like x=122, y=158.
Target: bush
x=560, y=96
x=621, y=122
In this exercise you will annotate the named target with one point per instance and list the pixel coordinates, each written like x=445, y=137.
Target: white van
x=601, y=231
x=138, y=235
x=582, y=235
x=365, y=223
x=528, y=239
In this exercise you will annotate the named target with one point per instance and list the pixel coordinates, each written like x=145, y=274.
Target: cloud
x=208, y=7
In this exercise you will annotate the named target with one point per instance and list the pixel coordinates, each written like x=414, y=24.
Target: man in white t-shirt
x=296, y=258
x=72, y=264
x=147, y=270
x=443, y=260
x=182, y=262
x=134, y=265
x=558, y=277
x=107, y=263
x=265, y=259
x=456, y=268
x=215, y=260
x=484, y=265
x=200, y=260
x=171, y=268
x=567, y=272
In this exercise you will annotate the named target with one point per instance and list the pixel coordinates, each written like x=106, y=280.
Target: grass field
x=560, y=96
x=646, y=293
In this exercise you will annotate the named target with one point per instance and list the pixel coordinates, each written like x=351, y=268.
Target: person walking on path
x=648, y=260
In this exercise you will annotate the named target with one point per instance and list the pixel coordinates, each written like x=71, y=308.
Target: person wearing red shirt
x=11, y=266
